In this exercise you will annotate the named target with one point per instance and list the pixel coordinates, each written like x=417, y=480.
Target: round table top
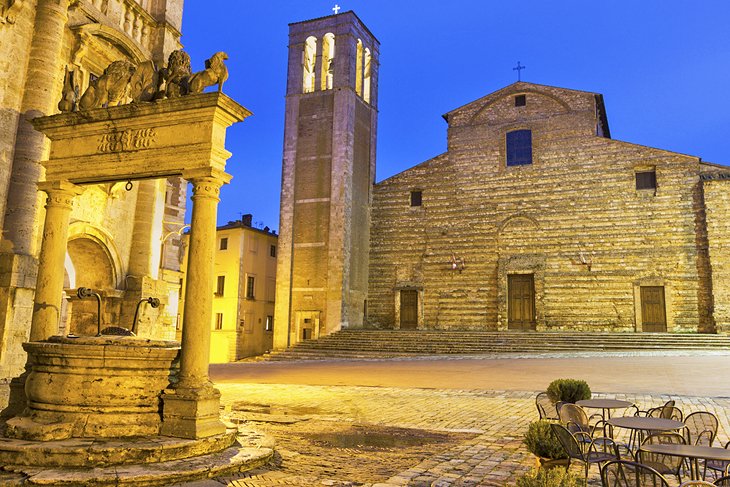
x=604, y=403
x=646, y=423
x=690, y=451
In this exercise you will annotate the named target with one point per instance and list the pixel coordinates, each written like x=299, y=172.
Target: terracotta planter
x=550, y=463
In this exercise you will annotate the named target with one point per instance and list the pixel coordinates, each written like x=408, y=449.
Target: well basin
x=95, y=387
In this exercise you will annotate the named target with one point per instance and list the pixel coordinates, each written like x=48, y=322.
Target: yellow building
x=245, y=285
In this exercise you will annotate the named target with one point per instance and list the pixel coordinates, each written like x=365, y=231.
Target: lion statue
x=215, y=72
x=177, y=74
x=111, y=88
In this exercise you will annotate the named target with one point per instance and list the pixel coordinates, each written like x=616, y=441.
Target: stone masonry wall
x=572, y=218
x=717, y=201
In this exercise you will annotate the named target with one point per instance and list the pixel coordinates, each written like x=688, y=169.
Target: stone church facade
x=124, y=242
x=534, y=218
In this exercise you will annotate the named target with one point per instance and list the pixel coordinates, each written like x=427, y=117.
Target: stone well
x=94, y=387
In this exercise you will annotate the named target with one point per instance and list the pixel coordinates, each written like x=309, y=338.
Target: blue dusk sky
x=663, y=68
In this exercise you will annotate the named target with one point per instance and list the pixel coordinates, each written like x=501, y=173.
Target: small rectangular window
x=646, y=180
x=272, y=251
x=250, y=281
x=224, y=243
x=220, y=285
x=219, y=321
x=269, y=323
x=519, y=147
x=520, y=100
x=416, y=198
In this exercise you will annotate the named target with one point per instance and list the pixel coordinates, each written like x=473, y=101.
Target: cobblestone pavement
x=483, y=448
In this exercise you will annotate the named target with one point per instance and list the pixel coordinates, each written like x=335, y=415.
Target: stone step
x=365, y=343
x=237, y=458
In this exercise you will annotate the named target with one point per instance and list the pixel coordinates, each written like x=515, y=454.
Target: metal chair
x=664, y=464
x=576, y=420
x=579, y=446
x=546, y=407
x=718, y=466
x=723, y=481
x=700, y=428
x=624, y=473
x=667, y=411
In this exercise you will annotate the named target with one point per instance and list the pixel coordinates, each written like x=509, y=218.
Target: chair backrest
x=546, y=407
x=666, y=412
x=672, y=463
x=723, y=481
x=574, y=418
x=568, y=441
x=700, y=428
x=624, y=473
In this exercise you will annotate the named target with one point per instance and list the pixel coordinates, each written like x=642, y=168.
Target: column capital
x=196, y=176
x=60, y=193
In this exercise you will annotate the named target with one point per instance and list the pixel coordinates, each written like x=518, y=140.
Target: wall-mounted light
x=457, y=263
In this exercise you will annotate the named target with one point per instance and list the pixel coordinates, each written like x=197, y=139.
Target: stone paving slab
x=494, y=457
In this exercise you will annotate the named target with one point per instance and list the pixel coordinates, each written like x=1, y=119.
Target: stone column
x=190, y=407
x=49, y=287
x=40, y=97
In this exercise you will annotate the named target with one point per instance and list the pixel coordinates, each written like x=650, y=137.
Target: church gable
x=524, y=103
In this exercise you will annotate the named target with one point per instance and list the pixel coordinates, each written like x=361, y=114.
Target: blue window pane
x=519, y=147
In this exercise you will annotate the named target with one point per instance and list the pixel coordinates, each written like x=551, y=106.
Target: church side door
x=653, y=310
x=521, y=302
x=408, y=309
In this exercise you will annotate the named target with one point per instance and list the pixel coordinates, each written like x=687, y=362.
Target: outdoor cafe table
x=693, y=452
x=605, y=405
x=637, y=424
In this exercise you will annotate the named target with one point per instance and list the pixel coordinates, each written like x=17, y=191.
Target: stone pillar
x=41, y=95
x=190, y=407
x=49, y=287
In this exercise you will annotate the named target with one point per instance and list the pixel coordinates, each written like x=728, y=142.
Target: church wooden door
x=408, y=309
x=653, y=310
x=521, y=302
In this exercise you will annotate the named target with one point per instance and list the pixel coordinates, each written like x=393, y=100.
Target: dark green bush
x=541, y=441
x=554, y=477
x=568, y=390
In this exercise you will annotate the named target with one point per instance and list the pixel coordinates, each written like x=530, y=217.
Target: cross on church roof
x=518, y=69
x=336, y=9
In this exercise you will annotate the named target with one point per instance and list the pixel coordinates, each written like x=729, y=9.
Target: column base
x=191, y=413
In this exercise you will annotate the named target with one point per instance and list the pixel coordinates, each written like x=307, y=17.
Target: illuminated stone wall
x=37, y=42
x=573, y=219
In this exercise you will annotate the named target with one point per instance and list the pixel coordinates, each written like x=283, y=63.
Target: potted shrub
x=568, y=390
x=555, y=477
x=542, y=442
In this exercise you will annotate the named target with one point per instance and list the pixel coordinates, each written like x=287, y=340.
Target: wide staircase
x=368, y=343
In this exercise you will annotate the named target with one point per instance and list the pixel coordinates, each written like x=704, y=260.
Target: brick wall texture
x=573, y=219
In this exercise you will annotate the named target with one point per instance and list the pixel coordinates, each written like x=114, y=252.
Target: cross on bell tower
x=336, y=9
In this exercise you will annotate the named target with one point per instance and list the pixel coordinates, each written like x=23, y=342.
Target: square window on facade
x=646, y=180
x=224, y=243
x=250, y=281
x=520, y=100
x=416, y=198
x=220, y=285
x=219, y=321
x=519, y=147
x=269, y=323
x=272, y=251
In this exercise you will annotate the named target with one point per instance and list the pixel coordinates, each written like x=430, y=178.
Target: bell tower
x=327, y=178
